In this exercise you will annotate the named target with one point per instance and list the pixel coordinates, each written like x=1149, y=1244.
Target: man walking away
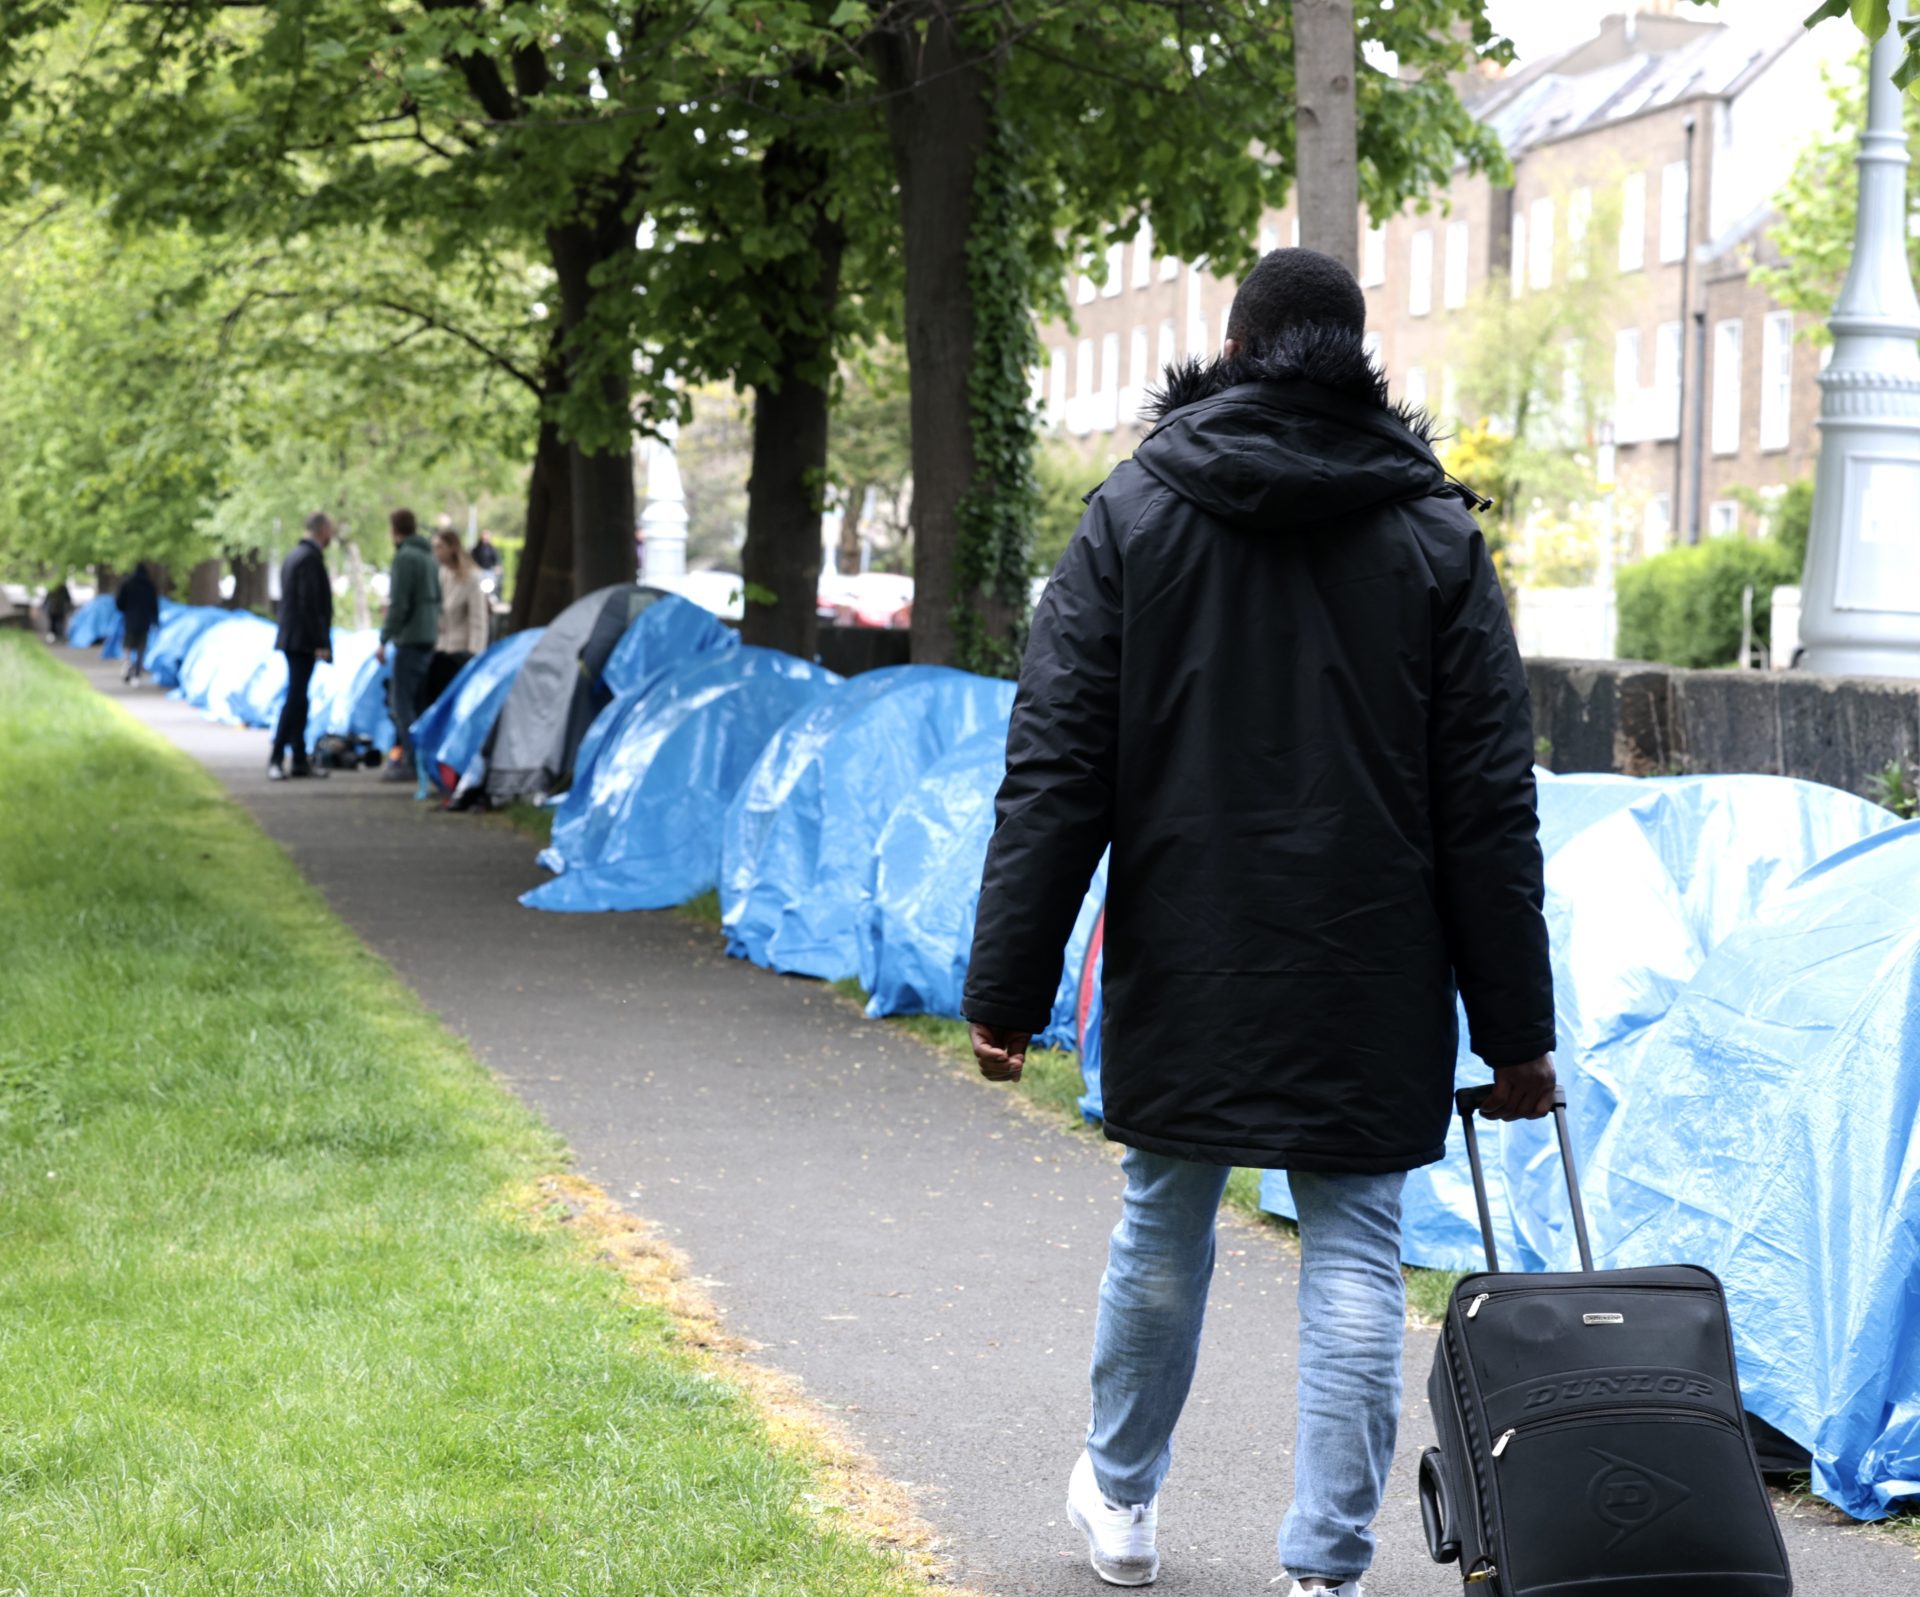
x=1274, y=671
x=57, y=610
x=411, y=625
x=305, y=636
x=138, y=602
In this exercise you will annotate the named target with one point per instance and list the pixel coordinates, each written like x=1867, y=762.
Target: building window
x=1196, y=319
x=1656, y=526
x=1057, y=387
x=1116, y=270
x=1143, y=254
x=1776, y=380
x=1086, y=291
x=1420, y=281
x=1168, y=351
x=1723, y=518
x=1664, y=421
x=1627, y=409
x=1373, y=257
x=1449, y=394
x=1080, y=407
x=1633, y=222
x=1454, y=273
x=1269, y=238
x=1135, y=397
x=1296, y=232
x=1726, y=388
x=1109, y=416
x=1517, y=265
x=1540, y=245
x=1370, y=347
x=1169, y=268
x=1579, y=224
x=1416, y=387
x=1673, y=211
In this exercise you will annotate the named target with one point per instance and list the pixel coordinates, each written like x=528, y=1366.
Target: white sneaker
x=1350, y=1588
x=1119, y=1540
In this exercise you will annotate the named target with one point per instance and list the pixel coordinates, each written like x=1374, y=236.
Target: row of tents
x=1736, y=958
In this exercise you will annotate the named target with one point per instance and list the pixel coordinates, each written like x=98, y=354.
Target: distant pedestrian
x=305, y=637
x=465, y=619
x=410, y=629
x=56, y=610
x=138, y=602
x=485, y=555
x=1274, y=671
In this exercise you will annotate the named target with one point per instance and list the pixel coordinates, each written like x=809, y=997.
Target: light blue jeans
x=1153, y=1300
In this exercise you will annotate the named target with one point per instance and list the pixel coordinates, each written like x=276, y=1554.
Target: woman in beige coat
x=465, y=619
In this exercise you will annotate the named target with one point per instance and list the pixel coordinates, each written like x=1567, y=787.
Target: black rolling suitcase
x=1592, y=1440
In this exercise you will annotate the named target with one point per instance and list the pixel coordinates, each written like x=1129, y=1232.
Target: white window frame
x=1725, y=429
x=1143, y=254
x=1196, y=319
x=1633, y=222
x=1134, y=395
x=1087, y=288
x=1674, y=187
x=1454, y=273
x=1166, y=349
x=1540, y=243
x=1108, y=416
x=1656, y=523
x=1579, y=225
x=1669, y=357
x=1057, y=385
x=1296, y=231
x=1723, y=518
x=1373, y=257
x=1116, y=278
x=1517, y=254
x=1449, y=394
x=1269, y=238
x=1414, y=387
x=1420, y=272
x=1776, y=380
x=1370, y=346
x=1169, y=268
x=1628, y=407
x=1080, y=406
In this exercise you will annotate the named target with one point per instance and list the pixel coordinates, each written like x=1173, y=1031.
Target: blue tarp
x=167, y=648
x=221, y=660
x=449, y=737
x=113, y=645
x=916, y=930
x=666, y=633
x=642, y=831
x=1769, y=1129
x=798, y=844
x=349, y=693
x=92, y=621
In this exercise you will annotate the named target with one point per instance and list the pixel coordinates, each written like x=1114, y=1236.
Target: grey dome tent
x=557, y=693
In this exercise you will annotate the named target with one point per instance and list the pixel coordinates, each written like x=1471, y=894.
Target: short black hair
x=1295, y=288
x=403, y=524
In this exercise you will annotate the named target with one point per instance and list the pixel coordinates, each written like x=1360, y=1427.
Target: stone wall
x=1656, y=720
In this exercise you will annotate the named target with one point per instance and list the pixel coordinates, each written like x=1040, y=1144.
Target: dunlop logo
x=1592, y=1386
x=1603, y=1319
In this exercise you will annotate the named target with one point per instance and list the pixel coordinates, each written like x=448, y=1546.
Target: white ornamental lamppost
x=1861, y=602
x=663, y=522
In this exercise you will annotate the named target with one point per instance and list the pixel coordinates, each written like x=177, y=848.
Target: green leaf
x=1831, y=9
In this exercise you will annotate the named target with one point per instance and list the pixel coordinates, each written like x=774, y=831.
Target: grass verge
x=289, y=1299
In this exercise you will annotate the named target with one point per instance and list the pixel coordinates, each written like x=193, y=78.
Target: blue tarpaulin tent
x=669, y=631
x=221, y=660
x=349, y=693
x=642, y=831
x=450, y=736
x=799, y=835
x=92, y=621
x=167, y=647
x=113, y=645
x=916, y=929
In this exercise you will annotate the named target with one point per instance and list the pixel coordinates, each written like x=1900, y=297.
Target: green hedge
x=1683, y=607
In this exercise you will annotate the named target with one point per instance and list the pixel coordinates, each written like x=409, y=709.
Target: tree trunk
x=847, y=556
x=203, y=583
x=249, y=580
x=1326, y=129
x=781, y=555
x=938, y=124
x=600, y=474
x=543, y=582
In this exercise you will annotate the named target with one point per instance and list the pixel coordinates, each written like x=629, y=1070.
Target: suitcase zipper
x=1695, y=1416
x=1473, y=1308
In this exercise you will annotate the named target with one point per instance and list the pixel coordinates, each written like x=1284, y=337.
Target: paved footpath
x=897, y=1234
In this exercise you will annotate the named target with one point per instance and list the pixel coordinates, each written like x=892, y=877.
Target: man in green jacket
x=412, y=623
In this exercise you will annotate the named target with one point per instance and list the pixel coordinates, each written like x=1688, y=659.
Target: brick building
x=1673, y=134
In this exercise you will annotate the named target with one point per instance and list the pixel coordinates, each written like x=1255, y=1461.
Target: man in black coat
x=1274, y=671
x=138, y=602
x=305, y=637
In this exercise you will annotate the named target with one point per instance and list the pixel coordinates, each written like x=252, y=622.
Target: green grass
x=1051, y=1082
x=271, y=1318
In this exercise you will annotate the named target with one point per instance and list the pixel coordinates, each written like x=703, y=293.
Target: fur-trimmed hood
x=1302, y=434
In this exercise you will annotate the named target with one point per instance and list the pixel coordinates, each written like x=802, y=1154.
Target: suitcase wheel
x=1436, y=1512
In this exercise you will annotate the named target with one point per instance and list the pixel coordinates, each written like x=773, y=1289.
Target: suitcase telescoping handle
x=1468, y=1099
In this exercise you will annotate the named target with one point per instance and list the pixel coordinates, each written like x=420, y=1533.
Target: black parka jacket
x=1275, y=671
x=306, y=601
